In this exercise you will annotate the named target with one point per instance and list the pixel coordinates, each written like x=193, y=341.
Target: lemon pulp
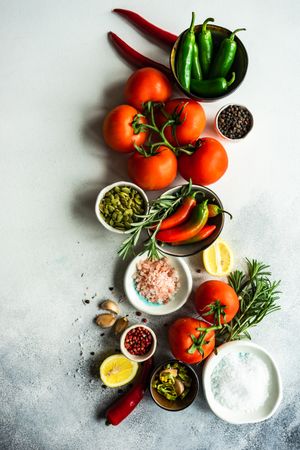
x=117, y=370
x=218, y=258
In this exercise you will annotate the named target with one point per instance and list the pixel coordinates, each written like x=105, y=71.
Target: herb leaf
x=159, y=209
x=258, y=297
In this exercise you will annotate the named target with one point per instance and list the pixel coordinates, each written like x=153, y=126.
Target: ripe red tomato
x=190, y=117
x=207, y=164
x=147, y=84
x=219, y=295
x=180, y=339
x=118, y=132
x=153, y=172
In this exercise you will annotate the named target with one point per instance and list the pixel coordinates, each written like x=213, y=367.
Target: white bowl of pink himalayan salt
x=242, y=383
x=157, y=287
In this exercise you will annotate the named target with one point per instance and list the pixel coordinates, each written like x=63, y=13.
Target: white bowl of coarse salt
x=242, y=383
x=157, y=287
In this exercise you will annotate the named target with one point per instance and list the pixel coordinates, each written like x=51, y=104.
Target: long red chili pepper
x=124, y=405
x=204, y=233
x=147, y=27
x=188, y=229
x=135, y=58
x=180, y=215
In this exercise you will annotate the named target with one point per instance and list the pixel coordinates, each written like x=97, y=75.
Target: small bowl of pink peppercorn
x=138, y=343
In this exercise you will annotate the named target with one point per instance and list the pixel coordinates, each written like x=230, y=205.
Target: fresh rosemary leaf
x=258, y=297
x=159, y=209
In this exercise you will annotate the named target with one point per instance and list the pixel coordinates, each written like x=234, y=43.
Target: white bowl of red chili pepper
x=138, y=343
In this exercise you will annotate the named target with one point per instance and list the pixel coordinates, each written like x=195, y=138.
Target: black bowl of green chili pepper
x=174, y=385
x=208, y=61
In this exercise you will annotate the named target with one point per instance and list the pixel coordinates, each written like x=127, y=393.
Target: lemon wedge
x=218, y=258
x=117, y=370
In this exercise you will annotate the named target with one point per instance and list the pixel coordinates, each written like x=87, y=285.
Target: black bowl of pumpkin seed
x=118, y=205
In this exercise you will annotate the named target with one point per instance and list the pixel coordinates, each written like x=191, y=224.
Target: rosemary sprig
x=258, y=296
x=159, y=209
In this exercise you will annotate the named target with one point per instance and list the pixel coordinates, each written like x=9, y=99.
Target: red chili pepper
x=135, y=58
x=214, y=210
x=124, y=405
x=147, y=27
x=180, y=215
x=188, y=229
x=204, y=233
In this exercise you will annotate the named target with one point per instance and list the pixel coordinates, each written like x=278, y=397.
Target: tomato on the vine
x=189, y=119
x=187, y=343
x=207, y=164
x=216, y=300
x=118, y=130
x=147, y=84
x=153, y=171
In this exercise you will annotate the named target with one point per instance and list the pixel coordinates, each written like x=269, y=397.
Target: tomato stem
x=149, y=113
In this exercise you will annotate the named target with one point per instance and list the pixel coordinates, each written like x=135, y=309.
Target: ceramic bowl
x=192, y=249
x=176, y=405
x=142, y=304
x=223, y=136
x=239, y=66
x=275, y=387
x=138, y=358
x=107, y=189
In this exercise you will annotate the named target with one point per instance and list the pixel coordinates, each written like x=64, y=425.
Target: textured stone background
x=59, y=76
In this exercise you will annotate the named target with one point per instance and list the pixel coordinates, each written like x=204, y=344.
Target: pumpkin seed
x=120, y=205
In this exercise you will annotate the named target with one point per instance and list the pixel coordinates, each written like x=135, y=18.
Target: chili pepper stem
x=192, y=22
x=226, y=212
x=231, y=79
x=204, y=25
x=232, y=36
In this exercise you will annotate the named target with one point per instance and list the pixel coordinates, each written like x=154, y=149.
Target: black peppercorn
x=234, y=121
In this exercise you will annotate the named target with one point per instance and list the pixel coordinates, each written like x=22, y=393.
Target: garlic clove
x=121, y=325
x=179, y=387
x=111, y=306
x=105, y=320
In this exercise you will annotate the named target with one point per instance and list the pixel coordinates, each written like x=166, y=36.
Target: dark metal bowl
x=192, y=249
x=239, y=66
x=177, y=405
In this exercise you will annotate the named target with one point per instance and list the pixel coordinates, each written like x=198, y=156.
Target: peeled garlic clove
x=179, y=387
x=110, y=305
x=105, y=320
x=121, y=325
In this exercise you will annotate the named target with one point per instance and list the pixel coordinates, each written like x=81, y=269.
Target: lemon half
x=218, y=258
x=117, y=370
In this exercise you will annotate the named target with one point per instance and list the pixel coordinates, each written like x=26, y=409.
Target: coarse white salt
x=241, y=382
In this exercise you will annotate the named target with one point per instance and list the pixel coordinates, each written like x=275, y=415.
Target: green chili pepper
x=225, y=56
x=211, y=88
x=215, y=210
x=185, y=56
x=205, y=44
x=196, y=67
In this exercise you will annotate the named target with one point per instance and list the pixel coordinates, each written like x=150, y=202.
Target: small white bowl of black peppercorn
x=234, y=122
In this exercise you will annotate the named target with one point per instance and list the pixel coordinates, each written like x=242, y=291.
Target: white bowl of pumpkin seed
x=119, y=204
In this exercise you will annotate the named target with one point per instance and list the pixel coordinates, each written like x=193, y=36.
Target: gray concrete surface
x=59, y=76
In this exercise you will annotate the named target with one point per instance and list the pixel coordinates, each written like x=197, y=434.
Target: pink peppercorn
x=138, y=341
